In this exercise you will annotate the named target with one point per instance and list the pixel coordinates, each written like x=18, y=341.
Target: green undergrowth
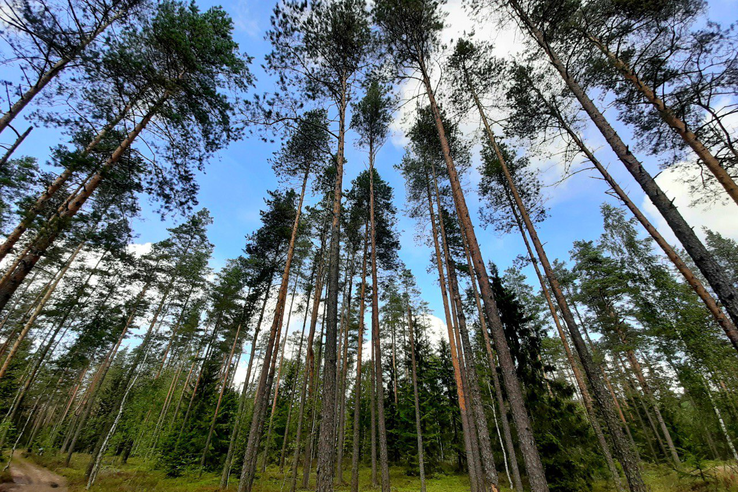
x=138, y=475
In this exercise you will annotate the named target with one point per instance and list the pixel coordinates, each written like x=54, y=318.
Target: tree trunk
x=586, y=397
x=534, y=466
x=461, y=395
x=725, y=323
x=383, y=458
x=509, y=445
x=357, y=382
x=30, y=215
x=298, y=358
x=307, y=380
x=326, y=442
x=623, y=449
x=341, y=403
x=279, y=370
x=223, y=386
x=39, y=307
x=480, y=419
x=418, y=426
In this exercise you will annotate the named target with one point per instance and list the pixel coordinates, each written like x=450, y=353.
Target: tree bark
x=480, y=420
x=307, y=381
x=461, y=395
x=357, y=382
x=326, y=442
x=418, y=426
x=383, y=458
x=509, y=445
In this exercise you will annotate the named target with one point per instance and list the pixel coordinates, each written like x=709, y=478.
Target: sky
x=236, y=181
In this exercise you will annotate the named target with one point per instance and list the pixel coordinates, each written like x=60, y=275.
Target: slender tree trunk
x=638, y=371
x=711, y=270
x=461, y=395
x=357, y=383
x=299, y=361
x=326, y=442
x=418, y=426
x=307, y=380
x=670, y=118
x=30, y=215
x=223, y=386
x=373, y=416
x=383, y=459
x=509, y=445
x=586, y=397
x=341, y=403
x=534, y=466
x=279, y=370
x=477, y=411
x=725, y=323
x=13, y=147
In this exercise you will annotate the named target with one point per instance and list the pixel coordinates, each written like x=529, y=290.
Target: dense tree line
x=620, y=355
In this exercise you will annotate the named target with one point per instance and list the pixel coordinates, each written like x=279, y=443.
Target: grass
x=139, y=476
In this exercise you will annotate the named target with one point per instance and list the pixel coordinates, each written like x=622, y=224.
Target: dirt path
x=29, y=477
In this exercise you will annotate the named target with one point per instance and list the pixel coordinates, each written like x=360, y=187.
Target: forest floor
x=139, y=476
x=26, y=476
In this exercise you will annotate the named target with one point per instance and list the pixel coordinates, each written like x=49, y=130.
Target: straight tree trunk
x=509, y=445
x=624, y=451
x=383, y=458
x=491, y=479
x=461, y=395
x=725, y=323
x=279, y=370
x=223, y=386
x=307, y=381
x=298, y=358
x=326, y=442
x=341, y=403
x=418, y=426
x=357, y=382
x=534, y=466
x=581, y=384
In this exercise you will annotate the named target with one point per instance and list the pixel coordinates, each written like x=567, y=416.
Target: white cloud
x=718, y=217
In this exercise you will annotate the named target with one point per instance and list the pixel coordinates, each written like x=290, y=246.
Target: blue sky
x=236, y=181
